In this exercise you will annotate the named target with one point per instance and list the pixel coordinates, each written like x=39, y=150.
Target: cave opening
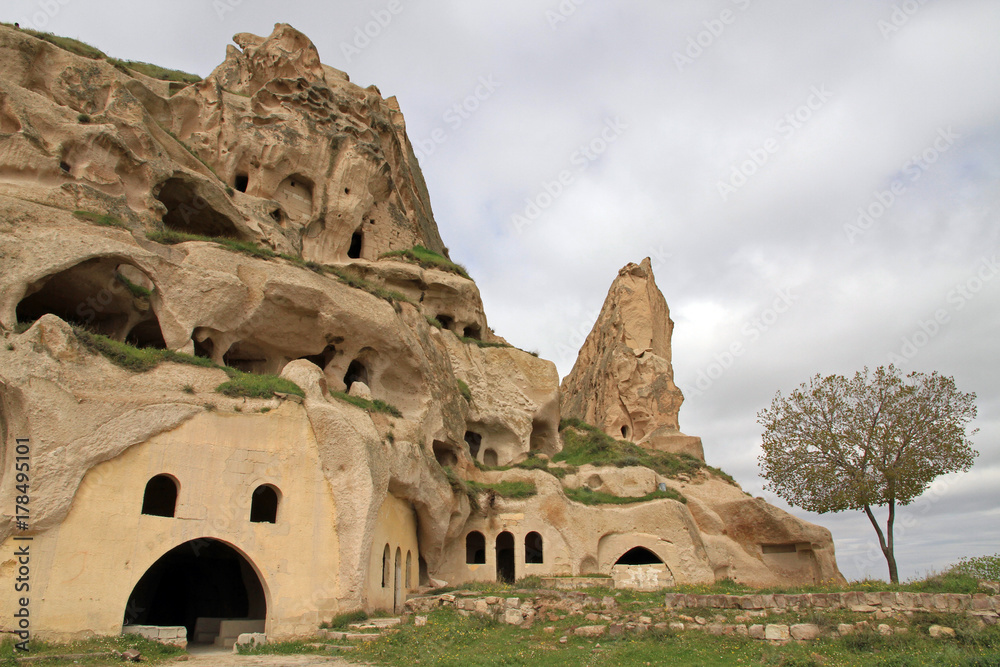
x=474, y=441
x=356, y=372
x=357, y=240
x=197, y=585
x=189, y=212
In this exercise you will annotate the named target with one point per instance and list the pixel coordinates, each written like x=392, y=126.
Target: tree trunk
x=887, y=547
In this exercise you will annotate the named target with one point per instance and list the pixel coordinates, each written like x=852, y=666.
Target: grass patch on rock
x=505, y=489
x=427, y=259
x=171, y=237
x=136, y=359
x=155, y=71
x=584, y=443
x=252, y=385
x=142, y=359
x=79, y=48
x=137, y=291
x=373, y=405
x=101, y=219
x=590, y=497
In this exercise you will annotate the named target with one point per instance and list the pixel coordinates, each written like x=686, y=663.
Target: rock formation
x=623, y=381
x=251, y=385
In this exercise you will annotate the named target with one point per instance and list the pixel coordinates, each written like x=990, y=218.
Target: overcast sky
x=737, y=143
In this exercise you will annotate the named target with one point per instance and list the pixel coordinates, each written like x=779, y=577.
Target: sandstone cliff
x=622, y=380
x=236, y=287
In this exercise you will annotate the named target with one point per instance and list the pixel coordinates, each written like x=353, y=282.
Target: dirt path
x=221, y=659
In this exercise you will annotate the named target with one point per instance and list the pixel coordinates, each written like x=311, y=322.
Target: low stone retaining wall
x=165, y=634
x=852, y=601
x=602, y=616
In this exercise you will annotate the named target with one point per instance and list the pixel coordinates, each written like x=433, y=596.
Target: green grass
x=140, y=360
x=136, y=359
x=427, y=259
x=532, y=463
x=460, y=487
x=584, y=443
x=252, y=385
x=100, y=219
x=481, y=343
x=589, y=497
x=341, y=621
x=452, y=640
x=375, y=405
x=464, y=390
x=360, y=283
x=137, y=291
x=505, y=489
x=156, y=72
x=171, y=237
x=79, y=48
x=65, y=43
x=293, y=647
x=934, y=583
x=434, y=322
x=96, y=649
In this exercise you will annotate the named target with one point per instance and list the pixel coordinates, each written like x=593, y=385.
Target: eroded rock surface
x=294, y=183
x=623, y=381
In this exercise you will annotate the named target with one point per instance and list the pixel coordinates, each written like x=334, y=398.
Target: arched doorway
x=397, y=593
x=198, y=584
x=505, y=558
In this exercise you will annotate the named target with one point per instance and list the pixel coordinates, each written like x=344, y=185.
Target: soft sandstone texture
x=623, y=381
x=276, y=149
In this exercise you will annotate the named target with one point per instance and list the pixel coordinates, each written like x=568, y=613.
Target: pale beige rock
x=623, y=381
x=805, y=631
x=276, y=149
x=939, y=631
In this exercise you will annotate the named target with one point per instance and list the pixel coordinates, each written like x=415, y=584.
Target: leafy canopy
x=875, y=439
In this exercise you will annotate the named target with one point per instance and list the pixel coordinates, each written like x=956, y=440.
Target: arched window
x=409, y=565
x=264, y=504
x=385, y=567
x=533, y=548
x=160, y=496
x=475, y=548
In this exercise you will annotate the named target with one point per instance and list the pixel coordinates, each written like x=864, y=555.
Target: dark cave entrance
x=639, y=556
x=189, y=212
x=505, y=558
x=96, y=295
x=202, y=579
x=357, y=240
